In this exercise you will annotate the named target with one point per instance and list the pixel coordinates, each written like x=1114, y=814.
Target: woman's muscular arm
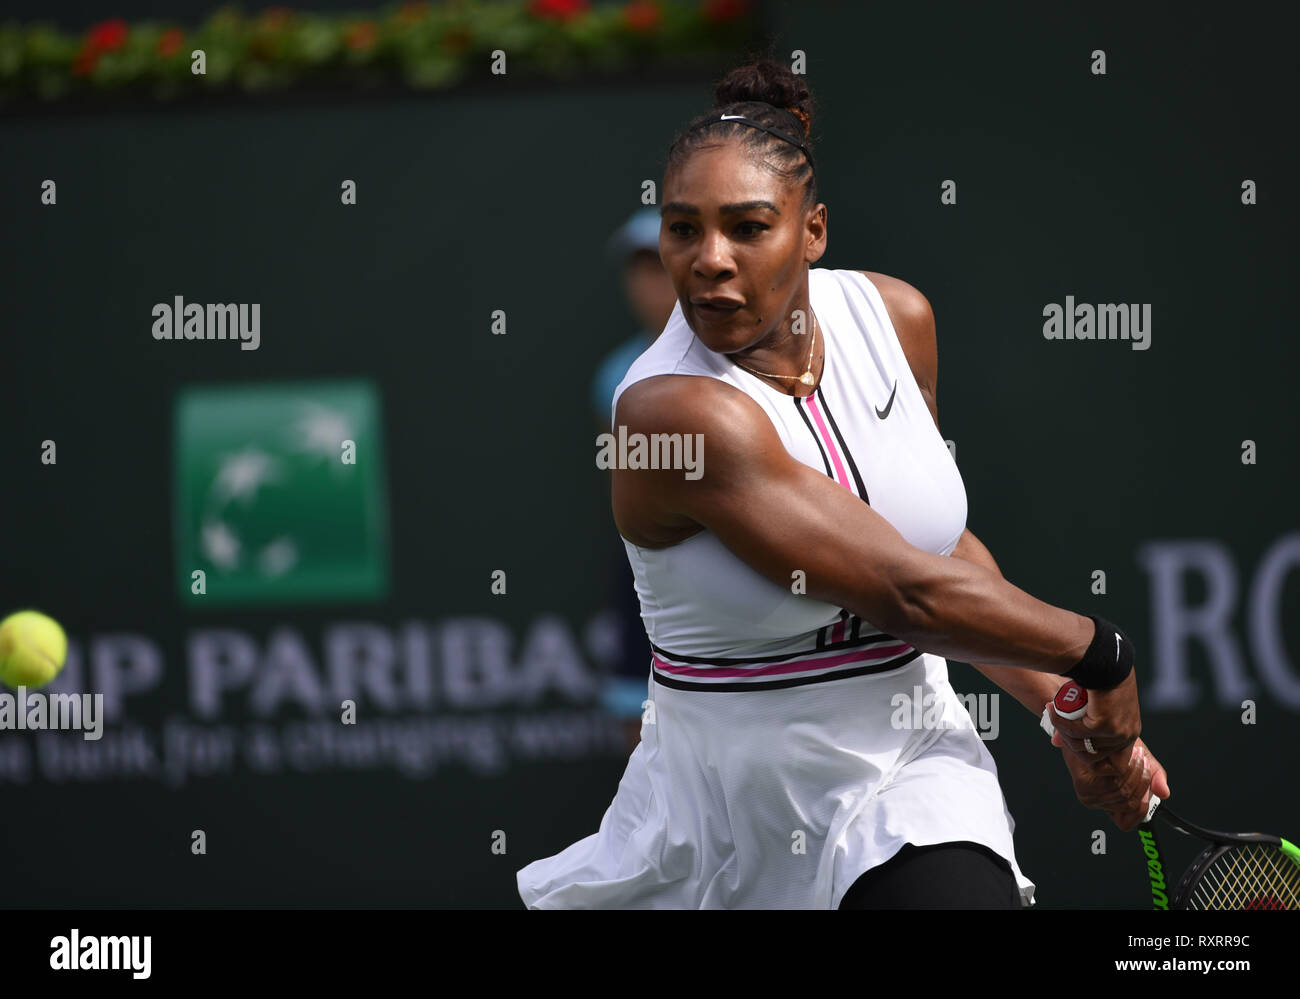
x=1030, y=687
x=913, y=321
x=781, y=516
x=1119, y=783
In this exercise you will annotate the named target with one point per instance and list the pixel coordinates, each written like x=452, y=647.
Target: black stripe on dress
x=791, y=681
x=820, y=449
x=848, y=643
x=853, y=465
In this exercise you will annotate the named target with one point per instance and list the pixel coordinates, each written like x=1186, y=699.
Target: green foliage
x=419, y=44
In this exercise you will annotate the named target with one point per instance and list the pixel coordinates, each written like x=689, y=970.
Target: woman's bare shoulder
x=685, y=404
x=724, y=432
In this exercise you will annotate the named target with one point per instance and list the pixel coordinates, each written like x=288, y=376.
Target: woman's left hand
x=1120, y=784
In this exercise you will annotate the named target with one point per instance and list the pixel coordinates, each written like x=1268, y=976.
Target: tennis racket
x=1235, y=870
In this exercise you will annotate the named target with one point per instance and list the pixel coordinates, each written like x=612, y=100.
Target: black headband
x=740, y=119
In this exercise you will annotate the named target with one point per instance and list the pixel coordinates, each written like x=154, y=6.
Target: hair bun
x=768, y=82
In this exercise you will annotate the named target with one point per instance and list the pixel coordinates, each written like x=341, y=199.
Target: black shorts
x=943, y=876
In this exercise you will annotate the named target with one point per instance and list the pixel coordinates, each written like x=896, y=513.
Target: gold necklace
x=807, y=377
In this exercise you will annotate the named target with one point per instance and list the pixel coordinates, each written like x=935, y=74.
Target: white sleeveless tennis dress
x=769, y=774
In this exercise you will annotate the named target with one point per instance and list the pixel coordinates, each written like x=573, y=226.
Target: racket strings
x=1253, y=876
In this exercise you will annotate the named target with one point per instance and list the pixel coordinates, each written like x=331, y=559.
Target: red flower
x=413, y=11
x=361, y=36
x=642, y=15
x=107, y=36
x=170, y=41
x=456, y=39
x=274, y=18
x=558, y=10
x=86, y=61
x=724, y=10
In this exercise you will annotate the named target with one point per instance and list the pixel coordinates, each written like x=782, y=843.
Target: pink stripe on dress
x=777, y=669
x=828, y=442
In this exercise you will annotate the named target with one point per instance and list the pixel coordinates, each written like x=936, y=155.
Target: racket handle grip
x=1070, y=702
x=1074, y=699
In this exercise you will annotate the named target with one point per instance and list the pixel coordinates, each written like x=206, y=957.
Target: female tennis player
x=801, y=745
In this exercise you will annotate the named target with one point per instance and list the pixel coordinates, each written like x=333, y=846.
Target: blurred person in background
x=634, y=247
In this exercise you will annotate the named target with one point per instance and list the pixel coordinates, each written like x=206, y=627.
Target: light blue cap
x=640, y=232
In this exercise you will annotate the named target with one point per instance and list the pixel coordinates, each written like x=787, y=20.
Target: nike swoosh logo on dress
x=890, y=403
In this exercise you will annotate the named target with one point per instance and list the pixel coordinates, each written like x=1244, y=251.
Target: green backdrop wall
x=479, y=709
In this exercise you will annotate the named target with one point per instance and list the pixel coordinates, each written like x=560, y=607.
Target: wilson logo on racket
x=1070, y=701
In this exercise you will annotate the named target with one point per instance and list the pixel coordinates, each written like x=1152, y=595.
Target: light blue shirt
x=611, y=371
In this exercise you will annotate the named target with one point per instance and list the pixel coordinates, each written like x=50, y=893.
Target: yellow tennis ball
x=33, y=649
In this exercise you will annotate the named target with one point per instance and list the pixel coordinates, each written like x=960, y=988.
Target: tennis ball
x=33, y=649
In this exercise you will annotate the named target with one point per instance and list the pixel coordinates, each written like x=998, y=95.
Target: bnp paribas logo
x=280, y=493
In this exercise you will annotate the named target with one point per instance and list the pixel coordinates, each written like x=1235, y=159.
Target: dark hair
x=769, y=93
